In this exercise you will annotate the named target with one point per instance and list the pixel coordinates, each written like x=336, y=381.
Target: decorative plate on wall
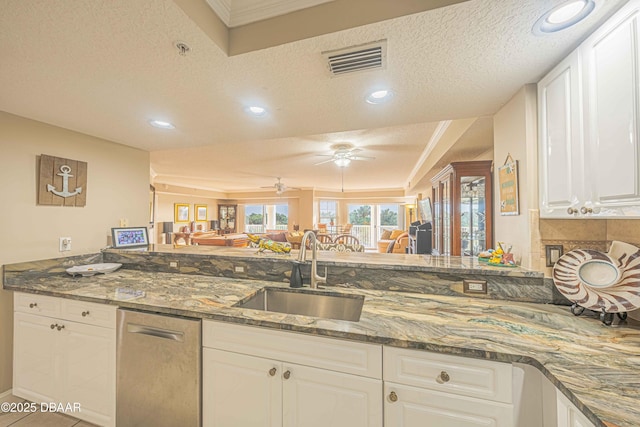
x=598, y=281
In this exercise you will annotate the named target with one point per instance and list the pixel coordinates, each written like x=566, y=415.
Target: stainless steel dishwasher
x=158, y=370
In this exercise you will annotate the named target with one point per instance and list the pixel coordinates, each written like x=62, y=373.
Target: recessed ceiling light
x=161, y=124
x=379, y=96
x=563, y=16
x=256, y=111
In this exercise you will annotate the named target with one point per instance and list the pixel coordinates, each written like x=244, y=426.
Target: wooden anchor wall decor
x=62, y=182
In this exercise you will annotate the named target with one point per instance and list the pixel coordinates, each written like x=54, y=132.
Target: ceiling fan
x=280, y=187
x=343, y=154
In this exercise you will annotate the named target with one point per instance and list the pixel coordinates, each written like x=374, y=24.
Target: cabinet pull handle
x=443, y=377
x=572, y=211
x=287, y=375
x=393, y=397
x=586, y=210
x=85, y=313
x=53, y=326
x=60, y=327
x=33, y=305
x=273, y=371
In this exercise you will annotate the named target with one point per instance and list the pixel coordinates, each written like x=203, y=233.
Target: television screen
x=424, y=210
x=129, y=237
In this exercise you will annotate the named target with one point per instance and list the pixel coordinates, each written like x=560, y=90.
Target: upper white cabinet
x=588, y=109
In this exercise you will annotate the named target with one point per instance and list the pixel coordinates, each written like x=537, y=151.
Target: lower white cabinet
x=66, y=362
x=569, y=415
x=287, y=388
x=431, y=389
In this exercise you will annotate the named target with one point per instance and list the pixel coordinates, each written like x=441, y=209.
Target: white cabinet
x=569, y=415
x=589, y=110
x=288, y=379
x=429, y=389
x=65, y=361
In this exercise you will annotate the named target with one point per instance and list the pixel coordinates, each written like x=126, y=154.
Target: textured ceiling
x=106, y=67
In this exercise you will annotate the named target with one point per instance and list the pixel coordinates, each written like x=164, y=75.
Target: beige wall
x=515, y=133
x=117, y=187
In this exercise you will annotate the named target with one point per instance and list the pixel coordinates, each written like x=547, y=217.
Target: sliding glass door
x=262, y=218
x=369, y=220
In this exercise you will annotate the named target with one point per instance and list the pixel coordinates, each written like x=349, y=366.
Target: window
x=369, y=220
x=328, y=211
x=260, y=218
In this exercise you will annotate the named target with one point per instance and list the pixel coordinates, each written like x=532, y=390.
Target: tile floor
x=37, y=419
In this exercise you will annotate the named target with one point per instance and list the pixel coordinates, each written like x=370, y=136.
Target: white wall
x=117, y=187
x=515, y=133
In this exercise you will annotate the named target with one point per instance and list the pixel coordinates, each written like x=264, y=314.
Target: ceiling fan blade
x=324, y=161
x=362, y=158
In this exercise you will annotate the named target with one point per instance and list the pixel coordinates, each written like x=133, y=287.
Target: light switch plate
x=553, y=254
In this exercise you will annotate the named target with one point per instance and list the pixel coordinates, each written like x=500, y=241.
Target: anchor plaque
x=63, y=182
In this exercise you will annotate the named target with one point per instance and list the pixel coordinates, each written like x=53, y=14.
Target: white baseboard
x=6, y=395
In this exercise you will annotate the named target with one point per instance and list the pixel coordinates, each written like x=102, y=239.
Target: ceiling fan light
x=342, y=162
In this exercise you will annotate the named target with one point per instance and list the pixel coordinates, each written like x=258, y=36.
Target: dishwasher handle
x=155, y=332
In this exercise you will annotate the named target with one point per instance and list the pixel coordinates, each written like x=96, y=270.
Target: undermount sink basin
x=328, y=305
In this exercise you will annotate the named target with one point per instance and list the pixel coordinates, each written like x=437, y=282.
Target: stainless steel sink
x=328, y=305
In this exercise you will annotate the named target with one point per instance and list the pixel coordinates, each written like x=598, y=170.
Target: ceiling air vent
x=357, y=58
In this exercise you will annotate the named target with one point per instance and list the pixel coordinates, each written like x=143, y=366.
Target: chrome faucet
x=302, y=257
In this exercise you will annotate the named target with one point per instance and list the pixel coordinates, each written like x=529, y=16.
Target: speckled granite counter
x=394, y=272
x=594, y=365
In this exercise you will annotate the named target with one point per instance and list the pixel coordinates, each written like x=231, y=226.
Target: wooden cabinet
x=463, y=208
x=589, y=112
x=227, y=216
x=62, y=355
x=429, y=389
x=288, y=379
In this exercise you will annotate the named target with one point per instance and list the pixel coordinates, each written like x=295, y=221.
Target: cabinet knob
x=272, y=371
x=85, y=313
x=287, y=375
x=586, y=210
x=572, y=211
x=393, y=397
x=443, y=377
x=53, y=326
x=33, y=305
x=60, y=327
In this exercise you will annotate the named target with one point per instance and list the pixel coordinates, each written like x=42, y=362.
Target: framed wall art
x=181, y=212
x=508, y=184
x=200, y=212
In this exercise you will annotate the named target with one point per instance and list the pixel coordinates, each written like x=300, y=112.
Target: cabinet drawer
x=36, y=304
x=452, y=374
x=89, y=313
x=415, y=407
x=326, y=353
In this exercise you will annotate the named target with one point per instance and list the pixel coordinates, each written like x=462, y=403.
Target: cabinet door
x=88, y=365
x=240, y=390
x=36, y=358
x=610, y=64
x=416, y=407
x=569, y=415
x=560, y=139
x=319, y=398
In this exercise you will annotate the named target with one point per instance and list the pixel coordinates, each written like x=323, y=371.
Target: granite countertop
x=444, y=264
x=594, y=365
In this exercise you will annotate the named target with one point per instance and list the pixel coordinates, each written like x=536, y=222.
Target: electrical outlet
x=474, y=286
x=174, y=264
x=124, y=222
x=65, y=244
x=239, y=269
